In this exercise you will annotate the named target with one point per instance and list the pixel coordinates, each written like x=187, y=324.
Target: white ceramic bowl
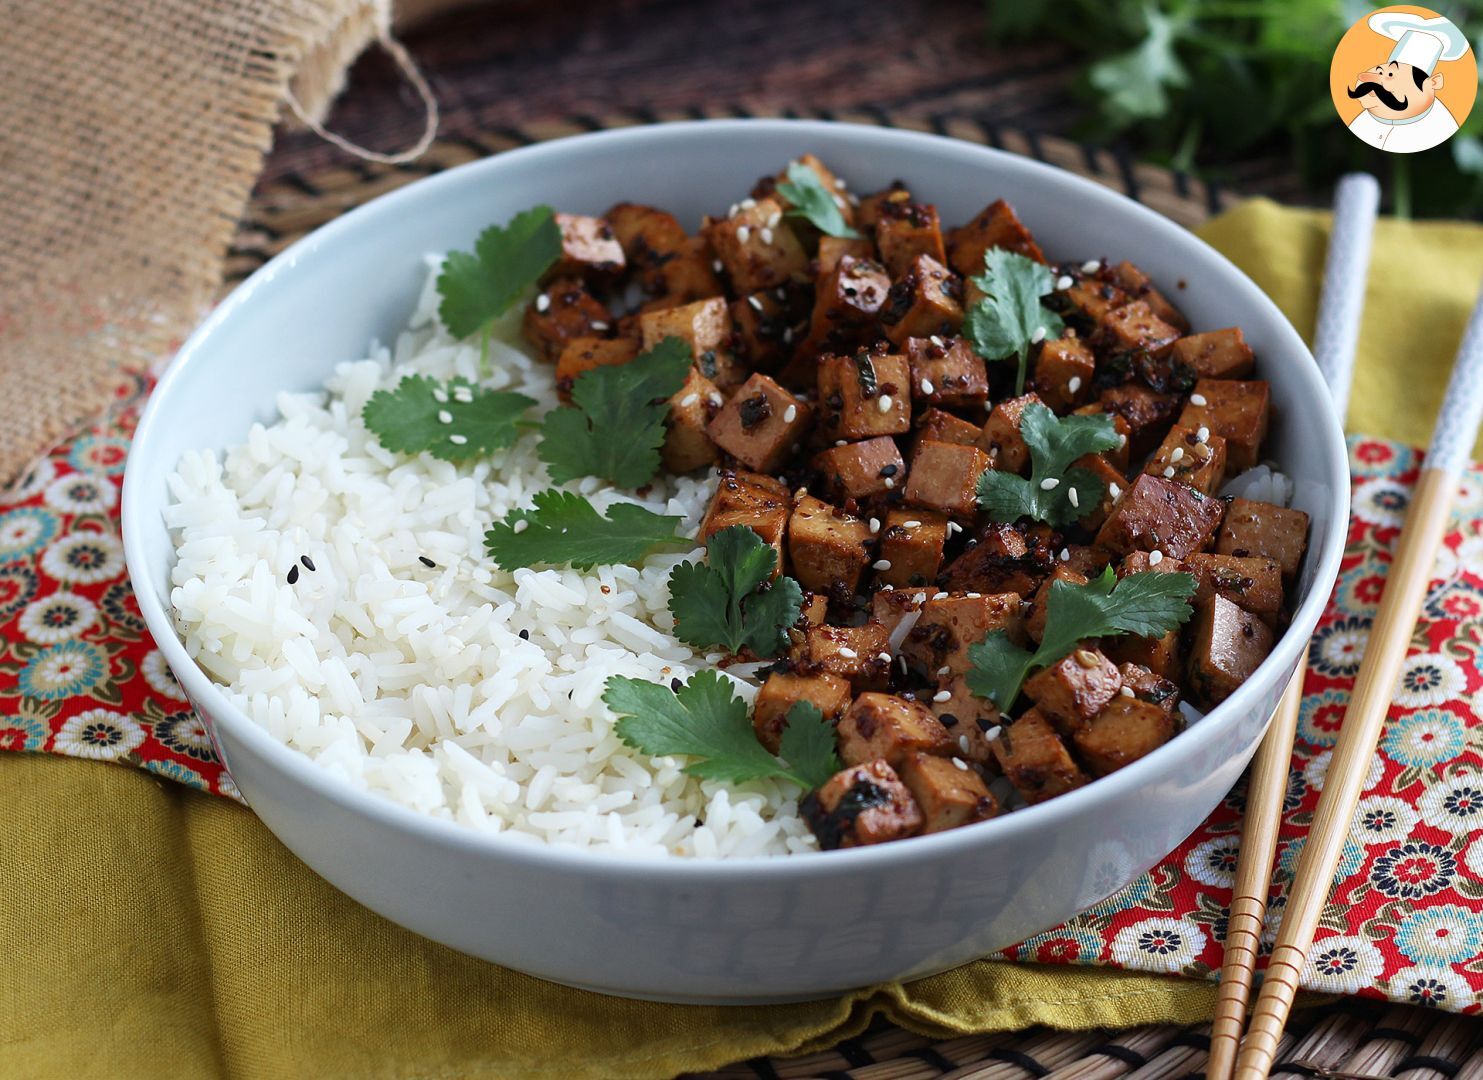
x=751, y=929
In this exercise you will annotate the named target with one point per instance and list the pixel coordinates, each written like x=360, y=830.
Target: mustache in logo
x=1389, y=100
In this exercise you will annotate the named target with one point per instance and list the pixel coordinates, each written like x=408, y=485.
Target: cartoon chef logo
x=1403, y=79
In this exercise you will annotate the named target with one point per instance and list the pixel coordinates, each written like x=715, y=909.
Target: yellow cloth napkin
x=150, y=931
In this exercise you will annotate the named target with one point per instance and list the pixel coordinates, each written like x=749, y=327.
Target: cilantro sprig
x=453, y=421
x=731, y=600
x=478, y=288
x=704, y=720
x=563, y=527
x=1004, y=323
x=814, y=202
x=1054, y=442
x=616, y=425
x=1149, y=604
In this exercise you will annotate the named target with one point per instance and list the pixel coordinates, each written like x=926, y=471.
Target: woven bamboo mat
x=1350, y=1039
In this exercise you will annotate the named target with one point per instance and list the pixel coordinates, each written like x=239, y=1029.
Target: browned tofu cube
x=1002, y=439
x=938, y=644
x=1063, y=373
x=1254, y=583
x=1120, y=454
x=829, y=549
x=944, y=476
x=687, y=442
x=1124, y=731
x=1266, y=530
x=1137, y=285
x=761, y=423
x=589, y=249
x=1161, y=515
x=995, y=226
x=883, y=727
x=562, y=311
x=691, y=273
x=1113, y=483
x=870, y=208
x=911, y=543
x=861, y=805
x=813, y=611
x=860, y=469
x=1190, y=459
x=939, y=426
x=1162, y=656
x=1087, y=559
x=1236, y=409
x=757, y=246
x=834, y=248
x=864, y=395
x=1135, y=328
x=1035, y=620
x=649, y=237
x=1228, y=645
x=1088, y=301
x=706, y=327
x=969, y=719
x=766, y=324
x=860, y=654
x=1148, y=414
x=905, y=230
x=831, y=183
x=1002, y=558
x=1075, y=688
x=1215, y=354
x=828, y=693
x=947, y=791
x=847, y=304
x=926, y=300
x=582, y=354
x=1035, y=760
x=751, y=499
x=1149, y=686
x=889, y=606
x=1141, y=562
x=946, y=372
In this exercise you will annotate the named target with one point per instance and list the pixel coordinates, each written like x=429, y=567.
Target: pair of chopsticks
x=1340, y=304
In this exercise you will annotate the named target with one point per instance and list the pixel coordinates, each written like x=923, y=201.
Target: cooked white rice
x=415, y=683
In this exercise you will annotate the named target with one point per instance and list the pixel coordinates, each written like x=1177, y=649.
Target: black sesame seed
x=889, y=470
x=675, y=684
x=947, y=719
x=293, y=573
x=984, y=723
x=308, y=563
x=425, y=561
x=525, y=635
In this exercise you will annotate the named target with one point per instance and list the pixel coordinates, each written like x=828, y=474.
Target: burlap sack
x=130, y=135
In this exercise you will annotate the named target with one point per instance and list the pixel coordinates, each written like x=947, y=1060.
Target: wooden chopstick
x=1385, y=652
x=1340, y=306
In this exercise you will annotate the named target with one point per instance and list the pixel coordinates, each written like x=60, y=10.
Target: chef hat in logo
x=1419, y=41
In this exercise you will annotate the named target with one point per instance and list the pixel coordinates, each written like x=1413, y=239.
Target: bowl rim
x=387, y=813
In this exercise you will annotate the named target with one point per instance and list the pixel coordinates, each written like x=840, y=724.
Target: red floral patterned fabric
x=80, y=676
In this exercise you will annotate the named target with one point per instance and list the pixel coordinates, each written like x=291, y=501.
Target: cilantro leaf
x=704, y=720
x=813, y=201
x=409, y=419
x=616, y=427
x=563, y=527
x=1149, y=604
x=477, y=288
x=730, y=600
x=1133, y=83
x=1054, y=442
x=1004, y=322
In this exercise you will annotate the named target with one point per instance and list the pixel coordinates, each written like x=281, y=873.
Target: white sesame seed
x=890, y=484
x=772, y=223
x=440, y=397
x=543, y=302
x=913, y=524
x=1073, y=384
x=1064, y=282
x=854, y=199
x=1091, y=266
x=1122, y=441
x=839, y=201
x=747, y=203
x=1114, y=490
x=755, y=303
x=1198, y=399
x=993, y=733
x=927, y=387
x=520, y=526
x=919, y=598
x=1178, y=454
x=716, y=265
x=1074, y=498
x=1203, y=435
x=973, y=595
x=1038, y=336
x=790, y=414
x=875, y=525
x=940, y=596
x=964, y=745
x=960, y=763
x=953, y=527
x=885, y=657
x=884, y=403
x=463, y=394
x=715, y=399
x=942, y=695
x=1049, y=483
x=841, y=442
x=936, y=340
x=444, y=416
x=848, y=653
x=766, y=235
x=946, y=669
x=882, y=564
x=742, y=232
x=1155, y=557
x=1168, y=472
x=732, y=209
x=1126, y=691
x=599, y=326
x=839, y=183
x=787, y=335
x=458, y=440
x=1065, y=554
x=689, y=400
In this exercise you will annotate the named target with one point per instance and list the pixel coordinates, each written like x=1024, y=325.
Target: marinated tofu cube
x=1141, y=562
x=831, y=183
x=1137, y=285
x=583, y=354
x=911, y=544
x=813, y=611
x=828, y=693
x=829, y=549
x=1254, y=583
x=947, y=791
x=757, y=246
x=861, y=805
x=1150, y=687
x=1088, y=301
x=1236, y=409
x=969, y=719
x=926, y=300
x=860, y=654
x=1075, y=688
x=687, y=442
x=691, y=274
x=1063, y=373
x=905, y=230
x=889, y=606
x=1161, y=515
x=1162, y=655
x=944, y=476
x=1113, y=482
x=1228, y=645
x=1001, y=558
x=946, y=372
x=1039, y=603
x=864, y=395
x=1265, y=530
x=705, y=326
x=589, y=249
x=847, y=304
x=861, y=469
x=1126, y=730
x=1120, y=454
x=1035, y=760
x=938, y=644
x=995, y=226
x=1148, y=413
x=883, y=727
x=1002, y=439
x=938, y=426
x=761, y=423
x=751, y=499
x=562, y=311
x=1215, y=354
x=649, y=237
x=1086, y=559
x=834, y=248
x=1135, y=328
x=871, y=207
x=1187, y=457
x=766, y=324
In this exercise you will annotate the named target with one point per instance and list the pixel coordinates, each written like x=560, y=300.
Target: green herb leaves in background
x=1005, y=322
x=730, y=600
x=454, y=421
x=813, y=201
x=704, y=720
x=563, y=529
x=1054, y=442
x=478, y=288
